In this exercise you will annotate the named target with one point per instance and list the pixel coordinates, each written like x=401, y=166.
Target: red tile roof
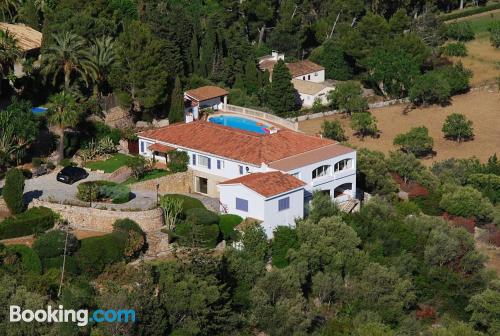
x=304, y=67
x=206, y=92
x=160, y=148
x=268, y=184
x=236, y=144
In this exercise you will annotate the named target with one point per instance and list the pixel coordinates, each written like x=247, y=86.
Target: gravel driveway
x=46, y=187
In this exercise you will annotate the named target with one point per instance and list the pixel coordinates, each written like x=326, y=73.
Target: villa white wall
x=274, y=217
x=317, y=77
x=228, y=194
x=308, y=100
x=331, y=181
x=229, y=168
x=265, y=210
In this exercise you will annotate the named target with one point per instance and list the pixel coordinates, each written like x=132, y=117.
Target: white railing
x=263, y=115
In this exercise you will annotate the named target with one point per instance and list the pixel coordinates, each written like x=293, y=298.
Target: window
x=142, y=146
x=297, y=175
x=321, y=171
x=241, y=204
x=241, y=170
x=308, y=77
x=315, y=74
x=220, y=164
x=247, y=169
x=194, y=159
x=284, y=204
x=204, y=161
x=343, y=164
x=303, y=77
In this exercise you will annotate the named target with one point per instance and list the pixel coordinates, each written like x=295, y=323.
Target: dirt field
x=483, y=59
x=482, y=107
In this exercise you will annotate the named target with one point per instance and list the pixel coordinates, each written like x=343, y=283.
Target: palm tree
x=67, y=54
x=102, y=59
x=9, y=53
x=8, y=9
x=64, y=113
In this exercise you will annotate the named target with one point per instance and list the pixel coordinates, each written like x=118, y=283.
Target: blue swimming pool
x=241, y=123
x=38, y=110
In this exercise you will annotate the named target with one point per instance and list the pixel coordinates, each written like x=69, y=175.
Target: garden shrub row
x=469, y=12
x=29, y=259
x=102, y=190
x=34, y=220
x=96, y=253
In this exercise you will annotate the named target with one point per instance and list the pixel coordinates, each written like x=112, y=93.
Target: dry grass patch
x=482, y=107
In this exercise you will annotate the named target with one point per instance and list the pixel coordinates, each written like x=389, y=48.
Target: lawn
x=110, y=165
x=481, y=23
x=155, y=173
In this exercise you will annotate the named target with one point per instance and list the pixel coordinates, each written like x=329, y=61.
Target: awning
x=160, y=148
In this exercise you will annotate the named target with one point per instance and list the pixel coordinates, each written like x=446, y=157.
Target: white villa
x=308, y=78
x=201, y=98
x=268, y=177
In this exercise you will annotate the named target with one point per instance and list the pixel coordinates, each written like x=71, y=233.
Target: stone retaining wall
x=170, y=184
x=85, y=218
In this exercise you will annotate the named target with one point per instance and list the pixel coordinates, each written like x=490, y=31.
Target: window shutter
x=209, y=163
x=218, y=164
x=241, y=170
x=194, y=159
x=241, y=204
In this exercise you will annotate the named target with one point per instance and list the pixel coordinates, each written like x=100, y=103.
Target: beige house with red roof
x=268, y=177
x=205, y=97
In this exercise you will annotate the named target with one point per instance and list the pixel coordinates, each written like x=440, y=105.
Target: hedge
x=201, y=216
x=51, y=244
x=98, y=252
x=29, y=259
x=35, y=220
x=227, y=223
x=135, y=237
x=469, y=12
x=187, y=202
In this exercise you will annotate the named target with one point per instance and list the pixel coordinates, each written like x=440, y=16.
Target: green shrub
x=187, y=202
x=455, y=49
x=460, y=31
x=29, y=259
x=96, y=253
x=197, y=235
x=457, y=77
x=466, y=202
x=285, y=238
x=227, y=223
x=51, y=244
x=35, y=220
x=101, y=131
x=178, y=161
x=201, y=216
x=50, y=165
x=407, y=208
x=494, y=30
x=470, y=11
x=36, y=162
x=136, y=239
x=13, y=191
x=430, y=88
x=99, y=190
x=71, y=266
x=430, y=204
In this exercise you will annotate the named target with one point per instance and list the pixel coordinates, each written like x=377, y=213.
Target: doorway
x=201, y=185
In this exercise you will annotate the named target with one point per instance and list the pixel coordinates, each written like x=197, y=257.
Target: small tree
x=417, y=141
x=348, y=97
x=457, y=127
x=333, y=130
x=466, y=202
x=13, y=191
x=364, y=124
x=460, y=31
x=172, y=208
x=494, y=30
x=179, y=161
x=430, y=88
x=138, y=165
x=317, y=105
x=281, y=95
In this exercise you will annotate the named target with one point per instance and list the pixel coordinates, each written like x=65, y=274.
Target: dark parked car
x=71, y=175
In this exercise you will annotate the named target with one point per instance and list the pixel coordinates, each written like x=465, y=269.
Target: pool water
x=241, y=123
x=38, y=110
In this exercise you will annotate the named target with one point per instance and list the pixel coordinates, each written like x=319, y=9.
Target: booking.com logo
x=81, y=316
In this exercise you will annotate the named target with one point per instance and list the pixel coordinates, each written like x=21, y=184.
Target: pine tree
x=239, y=83
x=281, y=95
x=176, y=113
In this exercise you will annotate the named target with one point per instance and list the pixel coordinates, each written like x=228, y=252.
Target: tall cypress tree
x=194, y=55
x=281, y=95
x=251, y=76
x=176, y=113
x=208, y=50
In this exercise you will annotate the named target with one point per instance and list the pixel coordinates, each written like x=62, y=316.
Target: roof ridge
x=307, y=151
